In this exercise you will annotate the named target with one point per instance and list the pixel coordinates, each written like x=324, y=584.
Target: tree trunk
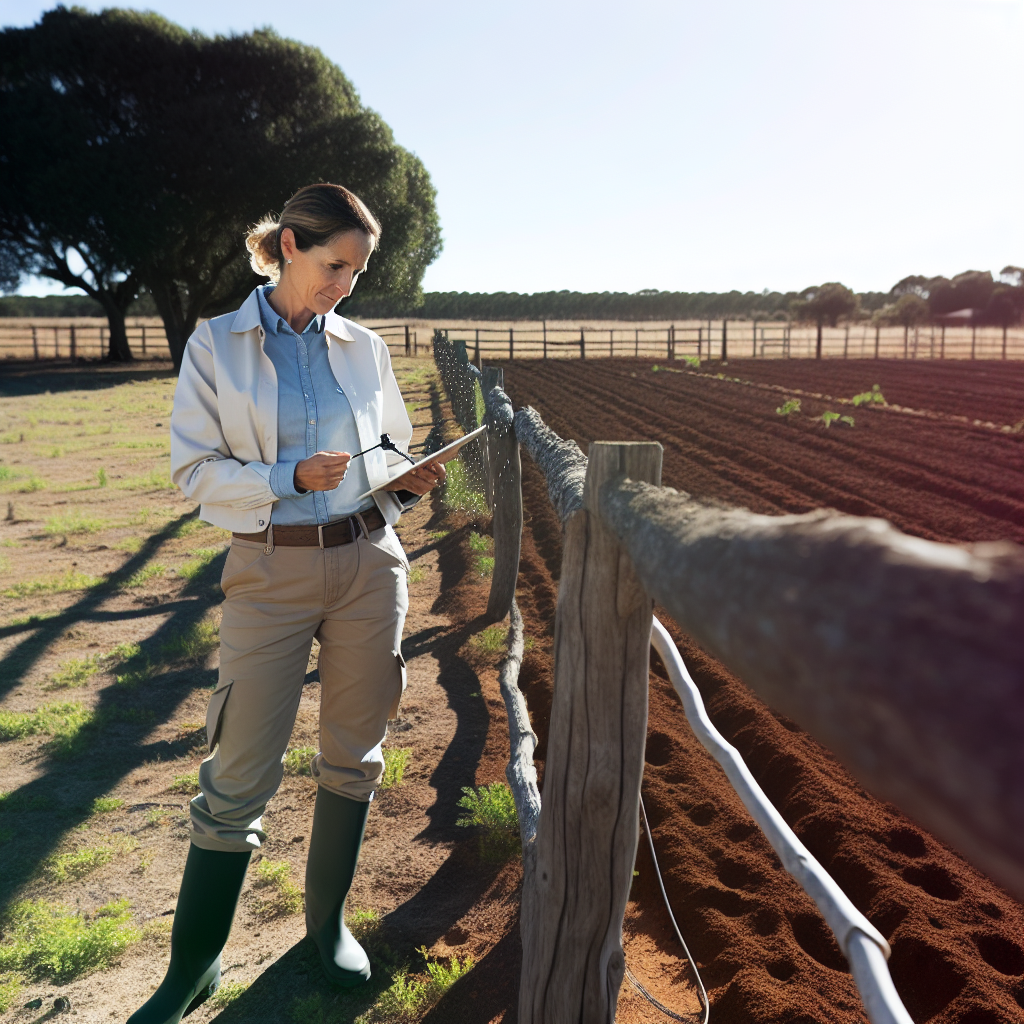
x=118, y=351
x=179, y=323
x=817, y=347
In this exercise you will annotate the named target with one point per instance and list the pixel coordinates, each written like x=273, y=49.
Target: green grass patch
x=228, y=992
x=409, y=998
x=48, y=940
x=396, y=759
x=195, y=644
x=296, y=761
x=276, y=893
x=64, y=722
x=458, y=495
x=133, y=545
x=789, y=408
x=154, y=480
x=484, y=565
x=64, y=867
x=189, y=526
x=5, y=564
x=17, y=803
x=70, y=523
x=145, y=574
x=479, y=543
x=68, y=581
x=106, y=804
x=492, y=810
x=491, y=640
x=417, y=574
x=75, y=672
x=187, y=783
x=198, y=564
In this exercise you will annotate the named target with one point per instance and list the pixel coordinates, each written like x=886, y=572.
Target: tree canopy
x=144, y=151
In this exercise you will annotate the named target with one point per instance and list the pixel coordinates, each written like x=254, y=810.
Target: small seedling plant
x=828, y=417
x=872, y=397
x=789, y=407
x=492, y=810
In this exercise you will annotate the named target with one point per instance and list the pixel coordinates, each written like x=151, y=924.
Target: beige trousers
x=353, y=598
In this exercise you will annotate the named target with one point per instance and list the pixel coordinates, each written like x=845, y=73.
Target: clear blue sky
x=685, y=145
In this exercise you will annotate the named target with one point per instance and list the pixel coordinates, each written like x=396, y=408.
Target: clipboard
x=445, y=454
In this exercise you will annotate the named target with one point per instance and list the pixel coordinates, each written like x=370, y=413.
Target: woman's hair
x=317, y=214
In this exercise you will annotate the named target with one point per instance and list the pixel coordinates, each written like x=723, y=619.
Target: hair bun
x=264, y=250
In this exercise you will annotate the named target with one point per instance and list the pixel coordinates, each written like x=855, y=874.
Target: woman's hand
x=421, y=479
x=322, y=472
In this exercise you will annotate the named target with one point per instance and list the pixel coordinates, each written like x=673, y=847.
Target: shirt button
x=312, y=421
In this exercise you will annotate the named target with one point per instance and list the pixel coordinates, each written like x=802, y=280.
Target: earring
x=287, y=261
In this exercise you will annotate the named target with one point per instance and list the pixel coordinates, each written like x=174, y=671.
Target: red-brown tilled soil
x=761, y=946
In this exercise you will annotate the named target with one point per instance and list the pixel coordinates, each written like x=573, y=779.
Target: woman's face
x=324, y=274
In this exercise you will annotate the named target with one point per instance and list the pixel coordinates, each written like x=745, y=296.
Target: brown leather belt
x=342, y=531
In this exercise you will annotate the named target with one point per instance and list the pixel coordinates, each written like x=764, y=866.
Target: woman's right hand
x=321, y=472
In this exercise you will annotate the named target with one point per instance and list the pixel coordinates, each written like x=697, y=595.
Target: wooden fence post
x=636, y=342
x=725, y=341
x=545, y=323
x=74, y=342
x=506, y=487
x=511, y=344
x=878, y=338
x=700, y=342
x=753, y=342
x=611, y=343
x=575, y=897
x=583, y=345
x=846, y=343
x=476, y=349
x=408, y=341
x=56, y=344
x=942, y=342
x=35, y=343
x=143, y=339
x=1004, y=341
x=974, y=332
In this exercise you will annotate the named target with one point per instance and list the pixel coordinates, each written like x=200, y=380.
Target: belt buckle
x=320, y=534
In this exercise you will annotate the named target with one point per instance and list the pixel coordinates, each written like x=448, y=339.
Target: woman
x=271, y=404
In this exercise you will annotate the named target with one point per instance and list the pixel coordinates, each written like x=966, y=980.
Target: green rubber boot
x=338, y=825
x=202, y=920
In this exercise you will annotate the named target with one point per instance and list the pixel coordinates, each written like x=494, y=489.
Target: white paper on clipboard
x=445, y=454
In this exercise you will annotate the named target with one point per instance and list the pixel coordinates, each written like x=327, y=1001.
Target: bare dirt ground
x=110, y=591
x=763, y=950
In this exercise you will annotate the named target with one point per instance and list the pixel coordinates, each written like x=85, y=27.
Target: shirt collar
x=274, y=323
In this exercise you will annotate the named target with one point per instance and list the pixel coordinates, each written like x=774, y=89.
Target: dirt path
x=110, y=608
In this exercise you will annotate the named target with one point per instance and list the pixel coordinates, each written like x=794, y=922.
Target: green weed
x=70, y=580
x=101, y=477
x=492, y=810
x=458, y=495
x=187, y=783
x=789, y=407
x=9, y=989
x=43, y=939
x=145, y=574
x=828, y=417
x=106, y=804
x=189, y=526
x=65, y=866
x=62, y=721
x=195, y=643
x=417, y=574
x=296, y=761
x=32, y=484
x=277, y=893
x=479, y=544
x=154, y=480
x=484, y=565
x=692, y=361
x=133, y=545
x=5, y=564
x=197, y=565
x=228, y=992
x=17, y=803
x=491, y=640
x=408, y=999
x=75, y=672
x=872, y=397
x=396, y=759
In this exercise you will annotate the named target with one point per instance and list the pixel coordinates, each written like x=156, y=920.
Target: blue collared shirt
x=313, y=415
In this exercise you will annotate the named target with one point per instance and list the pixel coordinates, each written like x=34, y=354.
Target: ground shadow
x=21, y=380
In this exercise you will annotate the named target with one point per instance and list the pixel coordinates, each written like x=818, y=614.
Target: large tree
x=824, y=303
x=201, y=137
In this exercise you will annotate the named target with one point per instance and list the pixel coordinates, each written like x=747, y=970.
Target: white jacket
x=224, y=422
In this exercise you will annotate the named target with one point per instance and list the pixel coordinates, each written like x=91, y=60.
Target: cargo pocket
x=214, y=714
x=393, y=713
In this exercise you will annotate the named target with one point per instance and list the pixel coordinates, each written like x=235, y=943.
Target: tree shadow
x=21, y=380
x=112, y=744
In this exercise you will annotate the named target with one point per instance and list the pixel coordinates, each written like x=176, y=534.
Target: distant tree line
x=134, y=154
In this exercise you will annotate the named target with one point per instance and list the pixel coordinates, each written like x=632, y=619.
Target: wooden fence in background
x=863, y=608
x=719, y=340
